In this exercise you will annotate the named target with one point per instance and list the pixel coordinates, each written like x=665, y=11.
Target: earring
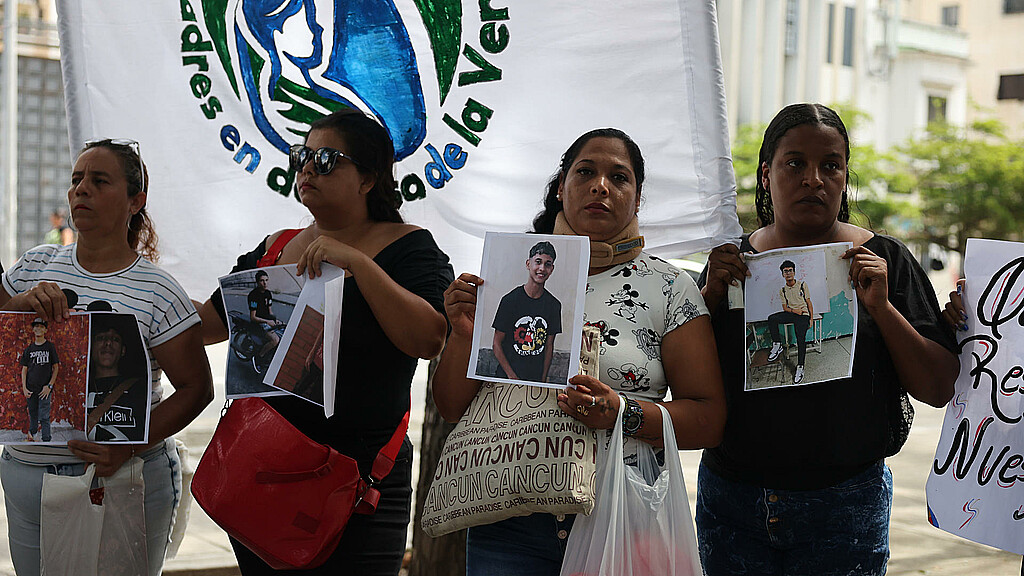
x=558, y=197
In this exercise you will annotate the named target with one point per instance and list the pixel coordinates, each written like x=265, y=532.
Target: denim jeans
x=800, y=324
x=23, y=484
x=531, y=545
x=744, y=529
x=39, y=415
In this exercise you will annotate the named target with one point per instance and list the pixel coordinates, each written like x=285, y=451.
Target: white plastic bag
x=79, y=537
x=637, y=528
x=184, y=509
x=70, y=525
x=123, y=543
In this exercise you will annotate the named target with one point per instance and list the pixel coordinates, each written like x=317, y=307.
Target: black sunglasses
x=324, y=159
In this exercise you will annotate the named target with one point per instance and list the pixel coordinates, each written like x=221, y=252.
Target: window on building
x=1011, y=87
x=831, y=32
x=936, y=109
x=29, y=9
x=951, y=16
x=1013, y=6
x=848, y=22
x=792, y=26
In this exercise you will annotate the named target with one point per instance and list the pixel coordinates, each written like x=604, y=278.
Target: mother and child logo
x=320, y=56
x=290, y=62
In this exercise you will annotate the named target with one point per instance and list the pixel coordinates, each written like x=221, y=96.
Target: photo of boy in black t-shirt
x=527, y=320
x=39, y=369
x=260, y=313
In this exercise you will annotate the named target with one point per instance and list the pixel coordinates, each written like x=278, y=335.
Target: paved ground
x=917, y=547
x=831, y=361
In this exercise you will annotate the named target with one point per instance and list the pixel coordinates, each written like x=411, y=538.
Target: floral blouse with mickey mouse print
x=634, y=305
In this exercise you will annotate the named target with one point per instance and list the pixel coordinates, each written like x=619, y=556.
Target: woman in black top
x=392, y=315
x=798, y=484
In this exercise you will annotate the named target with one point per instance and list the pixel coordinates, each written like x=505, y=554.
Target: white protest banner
x=976, y=486
x=481, y=98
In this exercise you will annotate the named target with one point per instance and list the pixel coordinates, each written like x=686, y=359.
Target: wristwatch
x=632, y=417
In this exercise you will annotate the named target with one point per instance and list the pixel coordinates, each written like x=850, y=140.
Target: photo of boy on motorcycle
x=260, y=302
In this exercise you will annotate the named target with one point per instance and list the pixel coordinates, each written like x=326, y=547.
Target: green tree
x=877, y=184
x=970, y=182
x=744, y=162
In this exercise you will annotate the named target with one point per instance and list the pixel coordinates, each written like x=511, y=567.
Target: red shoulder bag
x=284, y=496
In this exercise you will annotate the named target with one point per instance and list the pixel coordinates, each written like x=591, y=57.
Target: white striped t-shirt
x=159, y=303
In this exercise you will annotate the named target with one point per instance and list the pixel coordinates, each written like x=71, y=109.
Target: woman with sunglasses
x=392, y=315
x=110, y=266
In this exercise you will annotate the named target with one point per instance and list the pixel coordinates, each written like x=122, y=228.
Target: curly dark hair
x=141, y=234
x=374, y=153
x=790, y=117
x=544, y=223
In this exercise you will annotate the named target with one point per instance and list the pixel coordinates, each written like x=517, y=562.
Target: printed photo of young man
x=528, y=328
x=260, y=313
x=39, y=368
x=812, y=312
x=118, y=393
x=527, y=321
x=797, y=309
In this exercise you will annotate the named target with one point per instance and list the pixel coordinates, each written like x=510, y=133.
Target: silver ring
x=593, y=400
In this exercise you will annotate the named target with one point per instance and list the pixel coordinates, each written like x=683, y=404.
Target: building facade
x=44, y=157
x=867, y=54
x=995, y=77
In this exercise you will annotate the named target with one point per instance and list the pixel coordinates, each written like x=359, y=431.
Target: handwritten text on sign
x=976, y=487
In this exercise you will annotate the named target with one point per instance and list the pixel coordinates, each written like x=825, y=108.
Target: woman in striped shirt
x=109, y=268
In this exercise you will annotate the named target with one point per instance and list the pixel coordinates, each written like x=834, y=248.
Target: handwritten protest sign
x=975, y=488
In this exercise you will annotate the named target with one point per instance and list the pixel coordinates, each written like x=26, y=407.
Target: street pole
x=9, y=160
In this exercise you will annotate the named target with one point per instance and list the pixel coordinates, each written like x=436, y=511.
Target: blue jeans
x=531, y=545
x=744, y=529
x=39, y=415
x=800, y=324
x=23, y=484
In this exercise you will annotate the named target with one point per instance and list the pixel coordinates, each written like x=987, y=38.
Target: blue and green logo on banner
x=358, y=55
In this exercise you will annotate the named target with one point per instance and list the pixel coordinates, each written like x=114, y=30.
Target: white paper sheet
x=975, y=488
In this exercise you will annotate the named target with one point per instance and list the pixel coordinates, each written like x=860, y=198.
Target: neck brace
x=620, y=248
